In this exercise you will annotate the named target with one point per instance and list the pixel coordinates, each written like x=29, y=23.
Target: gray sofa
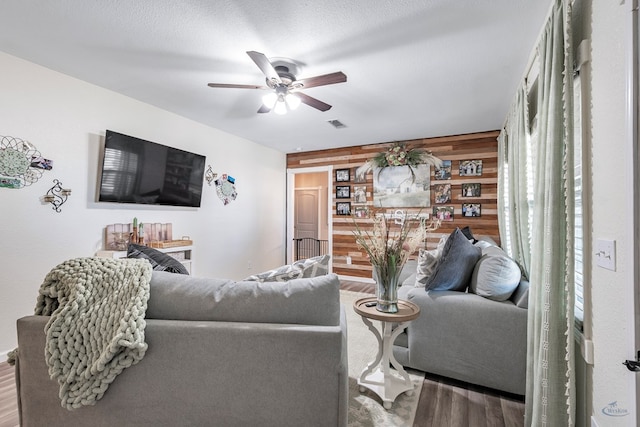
x=465, y=336
x=219, y=353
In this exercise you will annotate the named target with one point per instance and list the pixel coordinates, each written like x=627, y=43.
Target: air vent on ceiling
x=336, y=124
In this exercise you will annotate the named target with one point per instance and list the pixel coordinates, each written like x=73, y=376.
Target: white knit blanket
x=97, y=308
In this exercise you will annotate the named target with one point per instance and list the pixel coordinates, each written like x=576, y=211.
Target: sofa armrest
x=468, y=337
x=198, y=371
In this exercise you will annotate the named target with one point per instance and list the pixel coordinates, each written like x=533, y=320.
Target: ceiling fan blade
x=265, y=66
x=264, y=109
x=326, y=79
x=234, y=86
x=313, y=102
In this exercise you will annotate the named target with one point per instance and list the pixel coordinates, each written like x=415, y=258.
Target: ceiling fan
x=285, y=90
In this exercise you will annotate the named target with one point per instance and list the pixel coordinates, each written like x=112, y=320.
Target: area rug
x=365, y=409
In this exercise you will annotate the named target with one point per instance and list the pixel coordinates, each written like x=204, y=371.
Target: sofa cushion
x=495, y=276
x=159, y=261
x=311, y=267
x=456, y=264
x=305, y=301
x=427, y=261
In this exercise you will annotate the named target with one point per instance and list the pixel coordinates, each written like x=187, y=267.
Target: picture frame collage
x=442, y=190
x=350, y=200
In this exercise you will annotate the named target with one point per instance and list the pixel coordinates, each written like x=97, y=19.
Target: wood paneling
x=474, y=146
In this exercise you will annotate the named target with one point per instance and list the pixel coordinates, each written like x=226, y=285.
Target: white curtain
x=515, y=232
x=550, y=399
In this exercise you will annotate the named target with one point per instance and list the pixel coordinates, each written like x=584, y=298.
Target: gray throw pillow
x=311, y=267
x=427, y=261
x=456, y=264
x=159, y=261
x=495, y=277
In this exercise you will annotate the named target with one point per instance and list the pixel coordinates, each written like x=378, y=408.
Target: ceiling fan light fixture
x=281, y=107
x=293, y=101
x=269, y=99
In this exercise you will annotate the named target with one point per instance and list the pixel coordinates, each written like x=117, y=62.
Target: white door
x=306, y=219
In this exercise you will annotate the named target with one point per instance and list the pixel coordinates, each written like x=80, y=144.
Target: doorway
x=308, y=212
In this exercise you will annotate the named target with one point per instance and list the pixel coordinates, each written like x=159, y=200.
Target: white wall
x=65, y=119
x=613, y=292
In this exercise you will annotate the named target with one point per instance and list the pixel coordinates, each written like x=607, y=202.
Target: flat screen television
x=139, y=171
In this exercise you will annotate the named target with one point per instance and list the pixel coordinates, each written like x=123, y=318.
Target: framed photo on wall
x=443, y=213
x=443, y=172
x=471, y=209
x=343, y=175
x=343, y=208
x=360, y=211
x=360, y=193
x=442, y=193
x=471, y=190
x=343, y=191
x=470, y=167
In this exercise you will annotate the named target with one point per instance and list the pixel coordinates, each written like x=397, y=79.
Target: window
x=579, y=206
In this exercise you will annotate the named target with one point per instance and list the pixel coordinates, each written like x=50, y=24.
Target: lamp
x=281, y=100
x=56, y=195
x=293, y=101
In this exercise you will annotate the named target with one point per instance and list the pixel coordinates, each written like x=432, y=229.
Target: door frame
x=291, y=185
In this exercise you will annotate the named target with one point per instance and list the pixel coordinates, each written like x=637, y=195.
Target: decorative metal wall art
x=21, y=164
x=210, y=175
x=56, y=195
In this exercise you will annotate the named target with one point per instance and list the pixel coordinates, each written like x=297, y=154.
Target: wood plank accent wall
x=477, y=146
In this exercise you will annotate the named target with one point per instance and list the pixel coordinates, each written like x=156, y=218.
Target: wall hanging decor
x=21, y=164
x=209, y=175
x=398, y=155
x=402, y=186
x=470, y=167
x=226, y=188
x=57, y=195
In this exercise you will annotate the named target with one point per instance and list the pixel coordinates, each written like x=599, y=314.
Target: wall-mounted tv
x=139, y=171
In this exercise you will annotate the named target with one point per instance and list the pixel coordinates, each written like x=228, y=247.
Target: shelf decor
x=21, y=164
x=398, y=155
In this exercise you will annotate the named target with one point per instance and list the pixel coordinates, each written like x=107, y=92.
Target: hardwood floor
x=8, y=403
x=443, y=402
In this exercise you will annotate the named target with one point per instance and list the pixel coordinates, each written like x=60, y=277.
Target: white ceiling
x=415, y=68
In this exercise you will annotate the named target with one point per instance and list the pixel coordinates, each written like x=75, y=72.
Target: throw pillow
x=427, y=261
x=456, y=264
x=495, y=277
x=158, y=260
x=311, y=267
x=468, y=234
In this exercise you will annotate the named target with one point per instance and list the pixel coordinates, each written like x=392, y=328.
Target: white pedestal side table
x=386, y=382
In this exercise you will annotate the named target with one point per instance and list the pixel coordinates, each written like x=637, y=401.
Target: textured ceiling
x=415, y=68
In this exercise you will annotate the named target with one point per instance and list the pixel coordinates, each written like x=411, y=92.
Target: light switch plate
x=606, y=254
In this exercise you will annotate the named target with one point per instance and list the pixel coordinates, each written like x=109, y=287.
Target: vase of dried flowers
x=388, y=245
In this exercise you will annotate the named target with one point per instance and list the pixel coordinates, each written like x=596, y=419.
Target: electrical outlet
x=606, y=254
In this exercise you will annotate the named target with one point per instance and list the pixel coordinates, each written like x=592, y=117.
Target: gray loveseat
x=465, y=336
x=220, y=353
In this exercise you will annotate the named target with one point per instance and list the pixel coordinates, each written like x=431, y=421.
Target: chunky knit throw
x=97, y=308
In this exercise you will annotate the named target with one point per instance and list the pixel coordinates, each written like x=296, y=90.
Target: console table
x=386, y=382
x=184, y=254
